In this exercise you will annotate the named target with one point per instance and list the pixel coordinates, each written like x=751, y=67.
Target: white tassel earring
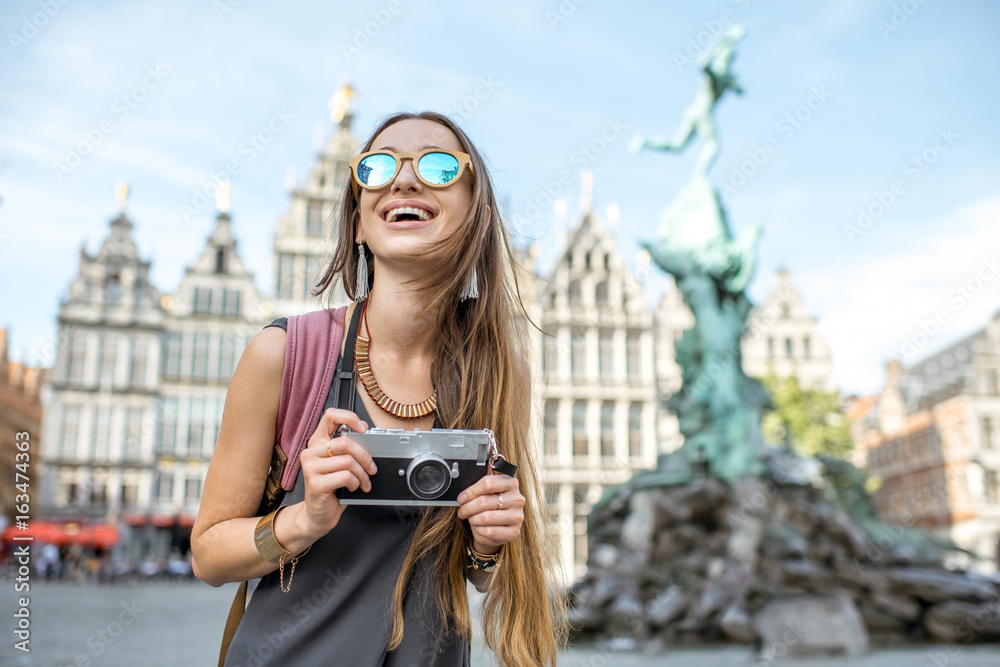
x=471, y=288
x=361, y=289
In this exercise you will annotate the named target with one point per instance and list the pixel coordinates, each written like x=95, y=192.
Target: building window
x=192, y=490
x=220, y=260
x=788, y=348
x=286, y=276
x=101, y=433
x=196, y=427
x=806, y=345
x=551, y=428
x=314, y=271
x=579, y=428
x=550, y=353
x=635, y=430
x=574, y=293
x=607, y=429
x=992, y=485
x=164, y=488
x=113, y=289
x=69, y=434
x=99, y=491
x=76, y=356
x=168, y=426
x=552, y=502
x=227, y=356
x=172, y=356
x=132, y=434
x=601, y=295
x=992, y=382
x=314, y=218
x=202, y=300
x=129, y=495
x=231, y=302
x=632, y=354
x=139, y=361
x=607, y=262
x=988, y=433
x=199, y=357
x=109, y=354
x=770, y=347
x=578, y=353
x=605, y=352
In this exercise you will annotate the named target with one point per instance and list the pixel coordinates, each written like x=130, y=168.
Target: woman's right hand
x=330, y=462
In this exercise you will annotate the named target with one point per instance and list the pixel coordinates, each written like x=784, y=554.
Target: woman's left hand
x=494, y=507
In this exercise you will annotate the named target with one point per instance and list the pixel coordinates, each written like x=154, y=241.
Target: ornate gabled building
x=783, y=338
x=598, y=397
x=104, y=386
x=305, y=236
x=932, y=438
x=211, y=316
x=671, y=320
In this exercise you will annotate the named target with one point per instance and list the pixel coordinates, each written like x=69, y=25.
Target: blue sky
x=533, y=83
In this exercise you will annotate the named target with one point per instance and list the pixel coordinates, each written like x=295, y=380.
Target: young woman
x=387, y=586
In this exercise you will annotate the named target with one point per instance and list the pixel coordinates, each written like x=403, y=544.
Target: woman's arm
x=222, y=540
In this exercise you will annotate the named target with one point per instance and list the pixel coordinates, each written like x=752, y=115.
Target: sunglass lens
x=438, y=168
x=376, y=170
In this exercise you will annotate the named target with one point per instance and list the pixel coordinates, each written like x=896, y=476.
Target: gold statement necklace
x=401, y=410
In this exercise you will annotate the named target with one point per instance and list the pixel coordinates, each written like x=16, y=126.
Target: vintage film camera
x=422, y=467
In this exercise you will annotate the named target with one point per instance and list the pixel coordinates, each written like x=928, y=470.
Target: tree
x=810, y=421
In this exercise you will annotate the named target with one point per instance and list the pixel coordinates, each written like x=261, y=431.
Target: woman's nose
x=406, y=179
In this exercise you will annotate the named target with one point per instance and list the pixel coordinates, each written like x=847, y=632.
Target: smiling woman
x=434, y=343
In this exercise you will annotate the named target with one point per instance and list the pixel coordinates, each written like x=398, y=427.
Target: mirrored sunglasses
x=435, y=167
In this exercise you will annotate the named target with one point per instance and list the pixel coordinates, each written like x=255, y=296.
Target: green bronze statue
x=718, y=407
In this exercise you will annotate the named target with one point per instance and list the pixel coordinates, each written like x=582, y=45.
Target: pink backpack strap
x=311, y=350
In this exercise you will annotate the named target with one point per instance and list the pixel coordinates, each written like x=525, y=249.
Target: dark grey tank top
x=339, y=608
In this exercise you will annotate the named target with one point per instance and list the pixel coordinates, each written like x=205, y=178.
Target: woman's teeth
x=396, y=213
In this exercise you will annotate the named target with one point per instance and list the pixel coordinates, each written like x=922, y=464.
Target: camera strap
x=498, y=463
x=343, y=387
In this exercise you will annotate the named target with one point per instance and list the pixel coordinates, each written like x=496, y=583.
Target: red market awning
x=61, y=534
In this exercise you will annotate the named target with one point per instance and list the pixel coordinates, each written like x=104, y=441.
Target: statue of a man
x=698, y=119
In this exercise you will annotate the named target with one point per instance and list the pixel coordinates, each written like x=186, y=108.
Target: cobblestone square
x=164, y=625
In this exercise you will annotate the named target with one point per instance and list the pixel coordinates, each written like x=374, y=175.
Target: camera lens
x=428, y=476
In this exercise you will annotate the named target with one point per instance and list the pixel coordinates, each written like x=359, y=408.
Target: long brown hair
x=482, y=381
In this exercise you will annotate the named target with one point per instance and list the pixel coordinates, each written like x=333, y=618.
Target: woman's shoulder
x=265, y=353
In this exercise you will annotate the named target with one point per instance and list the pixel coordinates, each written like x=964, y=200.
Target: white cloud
x=870, y=309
